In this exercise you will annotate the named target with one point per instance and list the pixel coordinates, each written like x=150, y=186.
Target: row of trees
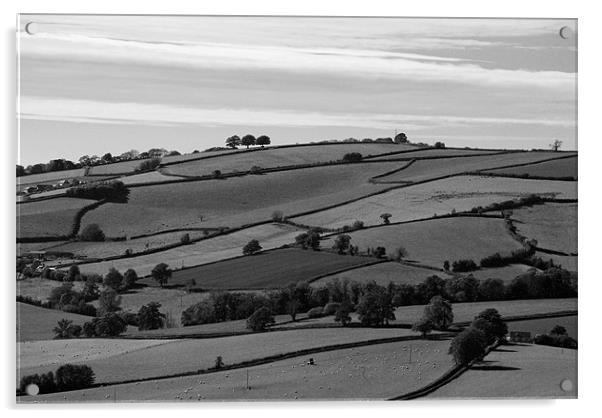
x=235, y=141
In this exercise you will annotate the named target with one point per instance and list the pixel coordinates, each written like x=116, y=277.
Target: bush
x=341, y=243
x=423, y=326
x=74, y=274
x=200, y=313
x=217, y=174
x=563, y=341
x=93, y=233
x=251, y=247
x=439, y=144
x=491, y=324
x=468, y=345
x=129, y=279
x=161, y=273
x=260, y=319
x=149, y=317
x=185, y=239
x=112, y=191
x=113, y=279
x=65, y=329
x=386, y=218
x=331, y=308
x=316, y=312
x=109, y=325
x=352, y=157
x=380, y=252
x=342, y=313
x=399, y=254
x=44, y=382
x=108, y=301
x=439, y=313
x=375, y=306
x=148, y=165
x=277, y=216
x=464, y=266
x=74, y=377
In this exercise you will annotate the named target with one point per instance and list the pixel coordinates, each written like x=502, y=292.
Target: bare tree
x=556, y=145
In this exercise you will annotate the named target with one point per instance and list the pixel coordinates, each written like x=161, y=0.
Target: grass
x=517, y=371
x=235, y=201
x=48, y=218
x=545, y=325
x=276, y=157
x=36, y=323
x=383, y=274
x=441, y=152
x=429, y=169
x=50, y=177
x=144, y=178
x=506, y=274
x=434, y=241
x=121, y=167
x=440, y=197
x=38, y=288
x=566, y=167
x=553, y=225
x=372, y=372
x=264, y=270
x=188, y=355
x=566, y=262
x=206, y=251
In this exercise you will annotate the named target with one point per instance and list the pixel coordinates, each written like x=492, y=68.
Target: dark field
x=565, y=167
x=545, y=325
x=52, y=217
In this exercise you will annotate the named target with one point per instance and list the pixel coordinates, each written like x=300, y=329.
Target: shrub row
x=67, y=377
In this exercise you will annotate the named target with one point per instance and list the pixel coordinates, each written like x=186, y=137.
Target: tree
x=556, y=145
x=73, y=274
x=113, y=279
x=247, y=140
x=439, y=313
x=251, y=247
x=263, y=140
x=90, y=291
x=185, y=239
x=108, y=302
x=341, y=243
x=446, y=265
x=20, y=170
x=380, y=252
x=399, y=254
x=108, y=325
x=108, y=158
x=233, y=141
x=149, y=317
x=423, y=326
x=439, y=144
x=352, y=157
x=161, y=273
x=558, y=330
x=277, y=216
x=492, y=289
x=307, y=240
x=84, y=160
x=468, y=345
x=66, y=329
x=301, y=240
x=148, y=165
x=260, y=319
x=292, y=307
x=74, y=377
x=342, y=313
x=385, y=217
x=491, y=324
x=129, y=279
x=92, y=232
x=375, y=306
x=401, y=138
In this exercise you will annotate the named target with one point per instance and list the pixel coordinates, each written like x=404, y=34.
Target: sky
x=92, y=84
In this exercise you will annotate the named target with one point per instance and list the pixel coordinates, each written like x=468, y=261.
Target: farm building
x=520, y=337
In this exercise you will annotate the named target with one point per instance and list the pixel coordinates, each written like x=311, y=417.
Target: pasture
x=374, y=372
x=39, y=288
x=264, y=270
x=180, y=356
x=435, y=152
x=553, y=225
x=36, y=323
x=516, y=371
x=430, y=169
x=383, y=274
x=122, y=167
x=50, y=177
x=277, y=157
x=440, y=197
x=47, y=218
x=145, y=178
x=235, y=201
x=506, y=273
x=562, y=168
x=545, y=325
x=201, y=252
x=567, y=262
x=433, y=241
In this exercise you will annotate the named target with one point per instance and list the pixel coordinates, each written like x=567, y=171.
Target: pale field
x=445, y=152
x=114, y=248
x=506, y=274
x=373, y=372
x=202, y=252
x=433, y=241
x=189, y=355
x=150, y=177
x=383, y=274
x=49, y=217
x=25, y=247
x=545, y=325
x=36, y=323
x=236, y=201
x=439, y=197
x=41, y=178
x=567, y=262
x=428, y=169
x=38, y=288
x=553, y=225
x=517, y=371
x=277, y=157
x=566, y=167
x=121, y=167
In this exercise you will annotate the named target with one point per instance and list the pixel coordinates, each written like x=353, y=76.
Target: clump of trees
x=342, y=243
x=375, y=307
x=310, y=239
x=460, y=266
x=66, y=377
x=148, y=165
x=149, y=317
x=92, y=233
x=252, y=247
x=468, y=345
x=108, y=325
x=248, y=140
x=260, y=319
x=352, y=157
x=557, y=337
x=66, y=329
x=112, y=191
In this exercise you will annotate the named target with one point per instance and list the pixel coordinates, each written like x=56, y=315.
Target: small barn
x=520, y=337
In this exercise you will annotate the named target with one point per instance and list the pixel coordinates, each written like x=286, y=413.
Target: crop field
x=436, y=152
x=187, y=355
x=430, y=169
x=235, y=201
x=122, y=167
x=545, y=325
x=277, y=157
x=517, y=371
x=265, y=270
x=144, y=178
x=553, y=225
x=205, y=251
x=373, y=372
x=565, y=167
x=383, y=274
x=49, y=217
x=420, y=201
x=433, y=241
x=50, y=177
x=36, y=323
x=114, y=248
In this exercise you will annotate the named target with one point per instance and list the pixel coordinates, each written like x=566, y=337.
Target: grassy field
x=122, y=167
x=373, y=372
x=144, y=178
x=188, y=355
x=54, y=176
x=434, y=241
x=438, y=197
x=49, y=217
x=545, y=325
x=38, y=288
x=434, y=152
x=553, y=225
x=35, y=323
x=507, y=273
x=429, y=169
x=235, y=201
x=566, y=262
x=206, y=251
x=260, y=271
x=383, y=274
x=276, y=157
x=566, y=167
x=517, y=371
